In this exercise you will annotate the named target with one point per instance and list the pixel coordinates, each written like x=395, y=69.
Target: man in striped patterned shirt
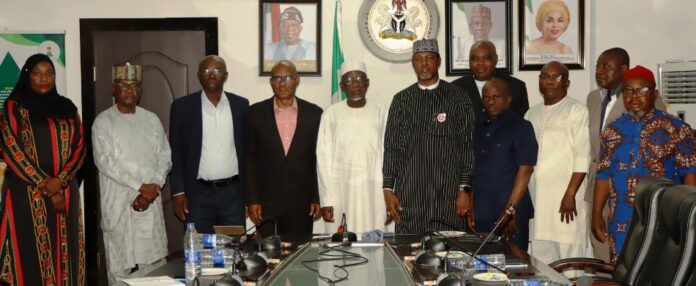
x=428, y=156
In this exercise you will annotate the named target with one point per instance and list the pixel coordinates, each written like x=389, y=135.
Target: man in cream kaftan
x=558, y=229
x=350, y=151
x=133, y=157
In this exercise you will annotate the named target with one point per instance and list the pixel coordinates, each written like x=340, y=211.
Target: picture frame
x=468, y=21
x=541, y=43
x=290, y=30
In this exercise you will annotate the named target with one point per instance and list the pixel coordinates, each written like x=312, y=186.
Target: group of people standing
x=465, y=153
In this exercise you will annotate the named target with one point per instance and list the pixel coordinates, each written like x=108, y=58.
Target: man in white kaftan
x=561, y=127
x=349, y=156
x=133, y=157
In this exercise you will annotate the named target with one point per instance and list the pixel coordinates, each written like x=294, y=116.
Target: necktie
x=605, y=103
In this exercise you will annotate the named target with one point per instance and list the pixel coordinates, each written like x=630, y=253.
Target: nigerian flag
x=337, y=59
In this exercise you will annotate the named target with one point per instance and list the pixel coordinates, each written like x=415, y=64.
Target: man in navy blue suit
x=206, y=134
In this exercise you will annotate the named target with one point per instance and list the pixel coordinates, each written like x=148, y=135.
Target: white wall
x=651, y=30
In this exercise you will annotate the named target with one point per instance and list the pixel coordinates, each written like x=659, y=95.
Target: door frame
x=95, y=266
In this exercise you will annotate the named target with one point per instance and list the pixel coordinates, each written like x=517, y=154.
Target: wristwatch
x=465, y=189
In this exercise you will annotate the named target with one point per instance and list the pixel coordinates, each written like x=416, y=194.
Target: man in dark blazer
x=482, y=61
x=206, y=134
x=281, y=158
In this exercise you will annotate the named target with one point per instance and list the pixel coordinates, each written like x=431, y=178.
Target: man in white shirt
x=133, y=158
x=206, y=133
x=349, y=156
x=559, y=227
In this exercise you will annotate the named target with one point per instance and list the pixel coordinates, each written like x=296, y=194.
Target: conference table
x=387, y=263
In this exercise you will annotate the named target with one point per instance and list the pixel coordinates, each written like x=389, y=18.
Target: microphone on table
x=435, y=243
x=448, y=279
x=447, y=224
x=452, y=243
x=344, y=236
x=252, y=267
x=509, y=210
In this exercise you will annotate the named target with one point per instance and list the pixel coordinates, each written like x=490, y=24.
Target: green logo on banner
x=9, y=72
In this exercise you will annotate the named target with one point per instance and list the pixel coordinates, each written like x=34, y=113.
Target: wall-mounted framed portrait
x=290, y=30
x=552, y=30
x=469, y=21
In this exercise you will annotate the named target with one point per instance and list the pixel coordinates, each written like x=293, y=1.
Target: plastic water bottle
x=213, y=241
x=192, y=253
x=219, y=257
x=459, y=259
x=497, y=260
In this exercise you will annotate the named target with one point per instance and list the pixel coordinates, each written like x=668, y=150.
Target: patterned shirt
x=658, y=144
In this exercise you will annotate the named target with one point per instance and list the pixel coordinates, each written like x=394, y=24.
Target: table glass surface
x=383, y=268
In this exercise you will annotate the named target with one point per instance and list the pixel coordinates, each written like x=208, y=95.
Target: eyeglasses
x=40, y=74
x=635, y=92
x=354, y=80
x=495, y=97
x=212, y=71
x=128, y=86
x=287, y=78
x=554, y=77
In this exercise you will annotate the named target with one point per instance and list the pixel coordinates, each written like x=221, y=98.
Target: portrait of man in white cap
x=484, y=22
x=291, y=45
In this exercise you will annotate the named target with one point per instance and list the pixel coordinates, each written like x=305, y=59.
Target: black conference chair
x=640, y=235
x=672, y=254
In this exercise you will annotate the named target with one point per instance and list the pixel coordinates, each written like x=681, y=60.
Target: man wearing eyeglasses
x=558, y=229
x=133, y=158
x=643, y=142
x=281, y=158
x=206, y=133
x=349, y=156
x=428, y=149
x=604, y=106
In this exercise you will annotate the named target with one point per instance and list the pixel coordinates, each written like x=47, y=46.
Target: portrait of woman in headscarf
x=41, y=233
x=552, y=20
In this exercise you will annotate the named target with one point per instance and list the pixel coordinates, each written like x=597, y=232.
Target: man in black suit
x=281, y=158
x=482, y=61
x=206, y=134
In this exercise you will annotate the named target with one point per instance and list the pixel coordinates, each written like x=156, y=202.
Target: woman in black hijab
x=41, y=232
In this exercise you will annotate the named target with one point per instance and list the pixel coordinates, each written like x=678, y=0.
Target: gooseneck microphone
x=252, y=267
x=508, y=211
x=344, y=236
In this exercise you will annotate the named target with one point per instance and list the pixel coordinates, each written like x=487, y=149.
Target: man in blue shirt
x=643, y=142
x=505, y=149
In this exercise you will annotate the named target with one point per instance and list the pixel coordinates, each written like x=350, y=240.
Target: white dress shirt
x=218, y=153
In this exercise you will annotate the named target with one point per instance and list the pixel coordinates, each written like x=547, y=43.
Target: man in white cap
x=133, y=157
x=350, y=147
x=428, y=155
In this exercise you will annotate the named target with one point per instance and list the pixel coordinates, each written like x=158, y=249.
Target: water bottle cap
x=190, y=225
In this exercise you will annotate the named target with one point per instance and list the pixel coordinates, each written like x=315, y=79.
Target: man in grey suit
x=605, y=105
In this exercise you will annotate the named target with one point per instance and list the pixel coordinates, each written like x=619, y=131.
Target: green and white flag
x=337, y=59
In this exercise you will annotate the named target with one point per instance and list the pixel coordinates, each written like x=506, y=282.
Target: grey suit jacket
x=594, y=106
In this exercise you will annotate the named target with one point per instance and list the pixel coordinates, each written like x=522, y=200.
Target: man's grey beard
x=637, y=114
